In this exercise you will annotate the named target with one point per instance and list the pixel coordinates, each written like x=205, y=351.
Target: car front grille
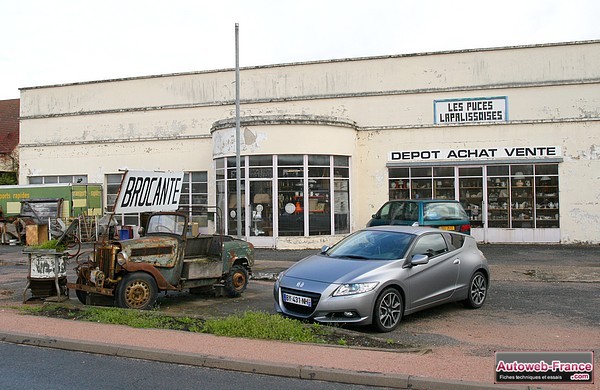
x=300, y=309
x=104, y=259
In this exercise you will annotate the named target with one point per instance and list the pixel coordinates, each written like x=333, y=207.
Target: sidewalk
x=306, y=361
x=447, y=367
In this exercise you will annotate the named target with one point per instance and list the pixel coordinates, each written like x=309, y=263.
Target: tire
x=236, y=281
x=478, y=287
x=388, y=310
x=137, y=291
x=81, y=295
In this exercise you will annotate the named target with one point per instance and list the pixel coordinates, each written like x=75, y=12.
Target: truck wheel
x=81, y=295
x=236, y=281
x=137, y=291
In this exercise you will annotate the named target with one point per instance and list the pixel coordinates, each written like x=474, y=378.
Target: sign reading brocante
x=477, y=153
x=149, y=192
x=451, y=111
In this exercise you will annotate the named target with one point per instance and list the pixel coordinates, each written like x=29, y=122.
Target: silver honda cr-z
x=379, y=274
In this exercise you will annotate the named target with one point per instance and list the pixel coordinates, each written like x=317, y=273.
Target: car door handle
x=457, y=261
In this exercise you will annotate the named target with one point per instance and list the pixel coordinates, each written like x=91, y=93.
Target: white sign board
x=149, y=192
x=452, y=111
x=511, y=152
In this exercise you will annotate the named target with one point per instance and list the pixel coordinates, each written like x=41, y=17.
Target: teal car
x=438, y=213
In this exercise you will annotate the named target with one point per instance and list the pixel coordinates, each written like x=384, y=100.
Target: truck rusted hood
x=160, y=251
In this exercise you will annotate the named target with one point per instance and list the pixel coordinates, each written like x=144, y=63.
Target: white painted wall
x=164, y=122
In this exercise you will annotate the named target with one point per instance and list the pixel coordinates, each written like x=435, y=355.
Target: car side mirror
x=141, y=231
x=375, y=216
x=419, y=260
x=325, y=248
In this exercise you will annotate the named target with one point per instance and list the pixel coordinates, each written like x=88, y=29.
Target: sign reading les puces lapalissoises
x=143, y=191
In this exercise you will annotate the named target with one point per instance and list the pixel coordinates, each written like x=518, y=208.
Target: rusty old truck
x=130, y=273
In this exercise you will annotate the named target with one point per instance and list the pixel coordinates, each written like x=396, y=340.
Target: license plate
x=447, y=227
x=297, y=300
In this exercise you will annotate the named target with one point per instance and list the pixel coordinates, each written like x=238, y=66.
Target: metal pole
x=238, y=171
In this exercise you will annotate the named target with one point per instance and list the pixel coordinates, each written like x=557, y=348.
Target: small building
x=512, y=132
x=9, y=139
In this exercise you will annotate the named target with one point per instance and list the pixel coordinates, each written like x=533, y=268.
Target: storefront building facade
x=513, y=133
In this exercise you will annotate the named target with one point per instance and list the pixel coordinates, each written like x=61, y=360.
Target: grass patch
x=250, y=324
x=256, y=325
x=51, y=244
x=265, y=326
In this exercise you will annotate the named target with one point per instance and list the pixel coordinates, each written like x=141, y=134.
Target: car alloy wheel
x=388, y=310
x=477, y=291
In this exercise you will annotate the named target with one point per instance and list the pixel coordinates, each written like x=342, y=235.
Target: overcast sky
x=47, y=42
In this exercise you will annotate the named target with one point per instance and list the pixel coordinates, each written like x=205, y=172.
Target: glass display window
x=498, y=196
x=470, y=184
x=287, y=195
x=399, y=183
x=546, y=196
x=522, y=196
x=443, y=183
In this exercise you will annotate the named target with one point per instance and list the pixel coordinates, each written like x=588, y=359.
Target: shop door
x=259, y=218
x=472, y=195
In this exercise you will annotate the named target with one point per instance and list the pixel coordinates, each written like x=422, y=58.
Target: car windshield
x=372, y=245
x=443, y=212
x=166, y=223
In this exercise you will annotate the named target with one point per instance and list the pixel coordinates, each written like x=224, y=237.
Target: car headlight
x=121, y=258
x=354, y=288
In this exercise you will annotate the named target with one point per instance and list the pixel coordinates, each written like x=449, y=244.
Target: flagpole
x=238, y=173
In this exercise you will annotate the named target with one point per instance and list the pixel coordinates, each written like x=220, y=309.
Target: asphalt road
x=557, y=283
x=34, y=368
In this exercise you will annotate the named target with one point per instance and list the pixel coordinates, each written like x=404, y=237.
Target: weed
x=261, y=325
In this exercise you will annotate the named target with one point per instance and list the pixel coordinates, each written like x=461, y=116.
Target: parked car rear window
x=443, y=211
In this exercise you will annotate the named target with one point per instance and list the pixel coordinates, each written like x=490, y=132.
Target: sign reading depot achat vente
x=500, y=153
x=145, y=191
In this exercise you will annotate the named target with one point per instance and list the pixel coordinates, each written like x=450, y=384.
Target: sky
x=45, y=42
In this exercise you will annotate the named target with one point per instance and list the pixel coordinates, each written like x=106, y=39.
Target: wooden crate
x=36, y=234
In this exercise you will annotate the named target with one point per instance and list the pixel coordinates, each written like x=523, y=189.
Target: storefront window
x=194, y=195
x=443, y=183
x=521, y=196
x=341, y=194
x=290, y=208
x=232, y=215
x=498, y=196
x=300, y=194
x=399, y=183
x=319, y=206
x=546, y=196
x=421, y=183
x=261, y=189
x=470, y=184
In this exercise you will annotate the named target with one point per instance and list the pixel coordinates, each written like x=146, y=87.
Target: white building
x=512, y=132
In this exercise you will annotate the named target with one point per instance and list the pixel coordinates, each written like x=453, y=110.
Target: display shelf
x=399, y=193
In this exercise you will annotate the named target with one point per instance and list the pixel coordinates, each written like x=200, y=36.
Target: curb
x=306, y=372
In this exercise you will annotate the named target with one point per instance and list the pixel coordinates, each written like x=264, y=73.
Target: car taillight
x=465, y=229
